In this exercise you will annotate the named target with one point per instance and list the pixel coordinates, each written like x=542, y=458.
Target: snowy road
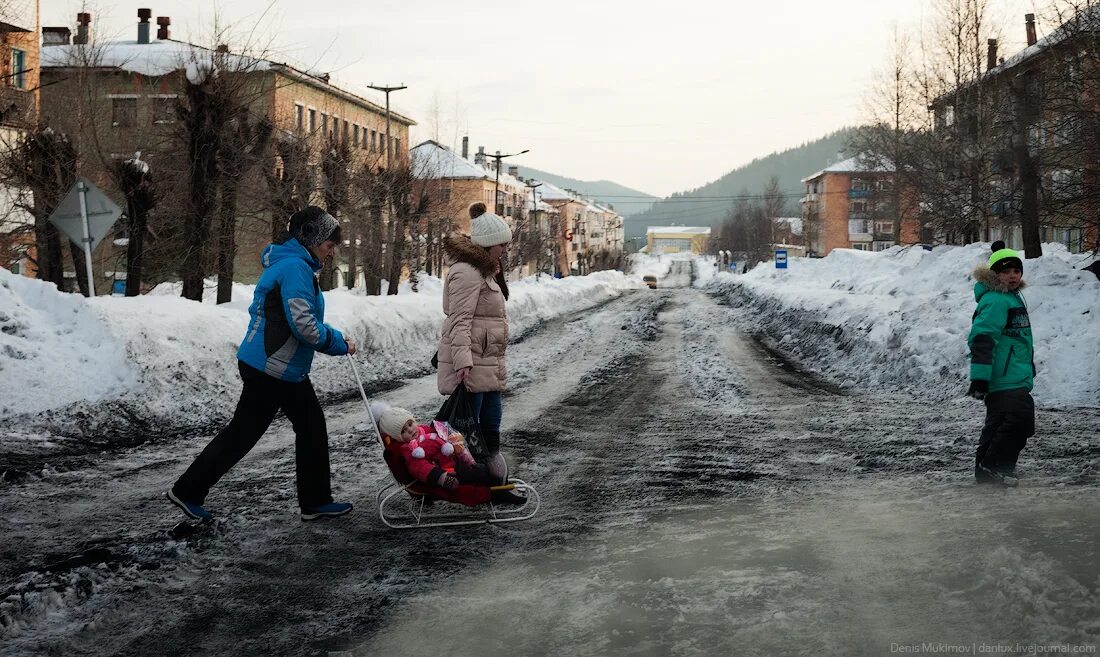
x=700, y=495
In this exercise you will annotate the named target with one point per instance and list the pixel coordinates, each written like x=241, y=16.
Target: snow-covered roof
x=164, y=56
x=158, y=57
x=681, y=230
x=794, y=222
x=549, y=192
x=434, y=161
x=856, y=164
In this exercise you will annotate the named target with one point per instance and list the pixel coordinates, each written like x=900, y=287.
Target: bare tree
x=136, y=184
x=243, y=147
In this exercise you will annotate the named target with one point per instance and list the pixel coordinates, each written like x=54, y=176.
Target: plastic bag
x=457, y=413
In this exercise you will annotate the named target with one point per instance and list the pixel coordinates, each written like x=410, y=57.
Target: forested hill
x=627, y=201
x=708, y=205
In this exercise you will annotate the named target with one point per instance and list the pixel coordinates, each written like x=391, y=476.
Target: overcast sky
x=662, y=98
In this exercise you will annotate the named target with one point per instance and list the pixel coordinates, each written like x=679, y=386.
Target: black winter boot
x=507, y=498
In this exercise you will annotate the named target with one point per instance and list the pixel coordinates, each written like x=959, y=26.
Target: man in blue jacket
x=286, y=328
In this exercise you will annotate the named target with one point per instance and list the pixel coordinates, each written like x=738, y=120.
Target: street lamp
x=496, y=188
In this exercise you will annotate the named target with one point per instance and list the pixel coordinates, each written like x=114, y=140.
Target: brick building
x=116, y=98
x=1034, y=115
x=849, y=205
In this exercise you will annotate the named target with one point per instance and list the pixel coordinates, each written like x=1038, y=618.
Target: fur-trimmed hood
x=460, y=248
x=987, y=277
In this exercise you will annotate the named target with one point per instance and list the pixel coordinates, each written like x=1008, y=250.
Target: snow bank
x=159, y=363
x=54, y=351
x=899, y=318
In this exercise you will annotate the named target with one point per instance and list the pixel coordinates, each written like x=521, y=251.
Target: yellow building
x=677, y=239
x=19, y=83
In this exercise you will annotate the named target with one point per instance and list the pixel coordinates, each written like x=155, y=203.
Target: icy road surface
x=700, y=496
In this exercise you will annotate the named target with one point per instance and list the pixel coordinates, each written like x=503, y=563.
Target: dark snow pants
x=1009, y=422
x=262, y=397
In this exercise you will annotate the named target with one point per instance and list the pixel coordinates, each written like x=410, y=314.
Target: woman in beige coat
x=475, y=331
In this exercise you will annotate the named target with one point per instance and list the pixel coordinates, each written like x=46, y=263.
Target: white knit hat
x=393, y=421
x=489, y=230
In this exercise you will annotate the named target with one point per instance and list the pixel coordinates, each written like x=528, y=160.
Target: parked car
x=651, y=281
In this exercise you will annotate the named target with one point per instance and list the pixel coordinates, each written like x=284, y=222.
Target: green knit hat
x=1003, y=258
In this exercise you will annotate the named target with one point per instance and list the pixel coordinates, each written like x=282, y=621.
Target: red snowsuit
x=421, y=461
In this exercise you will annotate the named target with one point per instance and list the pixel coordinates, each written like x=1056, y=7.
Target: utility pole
x=391, y=252
x=389, y=144
x=497, y=205
x=534, y=237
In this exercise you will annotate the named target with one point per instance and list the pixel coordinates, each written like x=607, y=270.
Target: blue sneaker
x=192, y=510
x=330, y=510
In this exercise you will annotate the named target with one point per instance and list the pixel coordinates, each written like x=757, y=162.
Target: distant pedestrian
x=286, y=328
x=1002, y=366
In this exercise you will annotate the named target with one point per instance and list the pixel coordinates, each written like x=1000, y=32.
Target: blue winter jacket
x=288, y=313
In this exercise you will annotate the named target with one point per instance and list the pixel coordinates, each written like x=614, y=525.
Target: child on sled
x=437, y=458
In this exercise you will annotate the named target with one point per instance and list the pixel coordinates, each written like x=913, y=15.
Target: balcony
x=860, y=193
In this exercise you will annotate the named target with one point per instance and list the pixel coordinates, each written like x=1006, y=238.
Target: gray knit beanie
x=313, y=225
x=489, y=230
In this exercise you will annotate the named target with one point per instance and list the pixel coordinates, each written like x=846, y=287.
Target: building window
x=397, y=146
x=858, y=207
x=445, y=195
x=880, y=245
x=124, y=112
x=884, y=228
x=324, y=124
x=312, y=120
x=373, y=135
x=861, y=246
x=355, y=135
x=18, y=69
x=299, y=118
x=164, y=109
x=347, y=131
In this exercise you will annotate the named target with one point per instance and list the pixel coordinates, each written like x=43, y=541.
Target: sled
x=406, y=503
x=409, y=507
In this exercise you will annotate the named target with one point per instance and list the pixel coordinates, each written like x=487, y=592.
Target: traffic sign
x=102, y=214
x=780, y=258
x=86, y=215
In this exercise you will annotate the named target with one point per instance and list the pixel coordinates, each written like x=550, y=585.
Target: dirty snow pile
x=160, y=363
x=899, y=319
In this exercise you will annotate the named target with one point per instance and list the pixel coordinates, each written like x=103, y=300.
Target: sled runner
x=406, y=503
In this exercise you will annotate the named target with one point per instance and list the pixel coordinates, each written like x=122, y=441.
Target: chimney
x=991, y=54
x=56, y=36
x=466, y=147
x=143, y=24
x=162, y=27
x=83, y=28
x=1029, y=20
x=513, y=171
x=479, y=157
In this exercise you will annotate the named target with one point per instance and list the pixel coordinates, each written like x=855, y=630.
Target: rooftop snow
x=159, y=57
x=431, y=160
x=857, y=164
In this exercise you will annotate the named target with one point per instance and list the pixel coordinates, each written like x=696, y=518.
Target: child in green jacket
x=1002, y=366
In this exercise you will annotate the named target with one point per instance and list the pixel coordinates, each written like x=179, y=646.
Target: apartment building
x=1031, y=115
x=850, y=205
x=115, y=98
x=19, y=106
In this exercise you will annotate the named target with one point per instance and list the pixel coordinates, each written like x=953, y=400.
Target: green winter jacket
x=1001, y=349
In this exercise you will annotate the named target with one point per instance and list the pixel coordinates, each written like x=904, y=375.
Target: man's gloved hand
x=448, y=481
x=978, y=389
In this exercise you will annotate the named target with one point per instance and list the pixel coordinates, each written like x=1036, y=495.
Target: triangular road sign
x=102, y=213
